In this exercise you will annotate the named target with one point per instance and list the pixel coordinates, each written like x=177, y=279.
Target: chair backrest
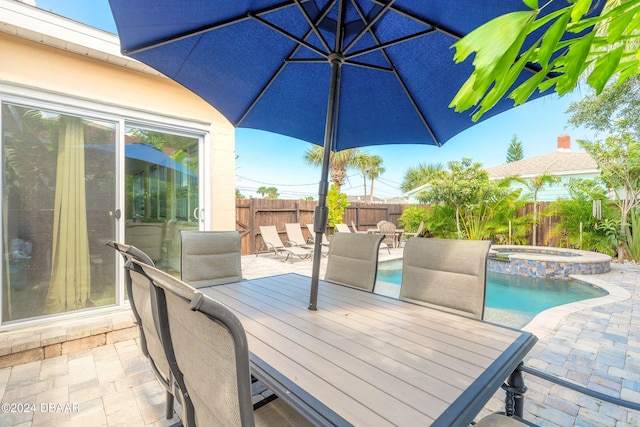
x=353, y=226
x=450, y=274
x=210, y=257
x=143, y=305
x=419, y=230
x=208, y=351
x=147, y=236
x=388, y=230
x=342, y=228
x=353, y=260
x=294, y=234
x=270, y=235
x=380, y=223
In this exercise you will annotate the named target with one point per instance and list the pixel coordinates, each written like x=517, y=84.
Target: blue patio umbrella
x=337, y=73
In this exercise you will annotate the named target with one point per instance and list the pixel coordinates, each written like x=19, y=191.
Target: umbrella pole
x=321, y=212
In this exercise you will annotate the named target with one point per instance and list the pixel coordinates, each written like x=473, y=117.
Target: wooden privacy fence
x=252, y=213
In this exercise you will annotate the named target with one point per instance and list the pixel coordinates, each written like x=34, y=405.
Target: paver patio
x=595, y=343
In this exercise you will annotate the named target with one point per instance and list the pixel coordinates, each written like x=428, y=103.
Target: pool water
x=514, y=300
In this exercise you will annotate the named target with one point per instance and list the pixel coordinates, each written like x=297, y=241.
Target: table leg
x=515, y=389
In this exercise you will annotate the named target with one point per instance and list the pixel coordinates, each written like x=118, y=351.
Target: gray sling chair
x=208, y=353
x=210, y=257
x=353, y=260
x=447, y=274
x=142, y=302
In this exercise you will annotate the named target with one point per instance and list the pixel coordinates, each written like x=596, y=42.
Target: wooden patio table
x=369, y=360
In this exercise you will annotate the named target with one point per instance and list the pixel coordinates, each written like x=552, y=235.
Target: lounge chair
x=208, y=352
x=209, y=258
x=142, y=301
x=447, y=274
x=342, y=228
x=355, y=229
x=325, y=240
x=273, y=243
x=353, y=260
x=295, y=236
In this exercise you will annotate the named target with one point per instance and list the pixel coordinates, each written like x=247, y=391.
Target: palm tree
x=373, y=169
x=419, y=175
x=338, y=162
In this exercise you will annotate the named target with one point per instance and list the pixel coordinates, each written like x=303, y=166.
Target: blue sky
x=266, y=159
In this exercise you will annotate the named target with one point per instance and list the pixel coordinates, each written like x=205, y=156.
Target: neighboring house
x=96, y=146
x=562, y=163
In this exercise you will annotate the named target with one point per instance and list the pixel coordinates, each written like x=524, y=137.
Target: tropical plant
x=337, y=204
x=601, y=47
x=412, y=217
x=578, y=227
x=440, y=222
x=618, y=158
x=632, y=238
x=464, y=184
x=339, y=161
x=515, y=151
x=496, y=217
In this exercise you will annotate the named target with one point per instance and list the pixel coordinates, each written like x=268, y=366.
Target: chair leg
x=169, y=412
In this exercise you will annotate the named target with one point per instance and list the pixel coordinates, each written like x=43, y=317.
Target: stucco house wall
x=48, y=53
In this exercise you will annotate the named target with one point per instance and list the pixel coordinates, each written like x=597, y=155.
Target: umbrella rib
x=368, y=26
x=389, y=43
x=401, y=82
x=370, y=66
x=440, y=28
x=313, y=26
x=275, y=75
x=290, y=36
x=203, y=29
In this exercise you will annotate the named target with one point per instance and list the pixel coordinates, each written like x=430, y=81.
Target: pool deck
x=107, y=381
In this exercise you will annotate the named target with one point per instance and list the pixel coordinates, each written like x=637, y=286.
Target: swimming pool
x=511, y=300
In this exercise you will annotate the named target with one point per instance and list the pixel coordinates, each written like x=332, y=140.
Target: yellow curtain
x=69, y=288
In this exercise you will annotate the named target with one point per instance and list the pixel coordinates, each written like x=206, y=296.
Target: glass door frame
x=120, y=116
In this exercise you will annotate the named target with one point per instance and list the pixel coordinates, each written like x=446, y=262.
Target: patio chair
x=388, y=230
x=342, y=228
x=448, y=274
x=273, y=243
x=353, y=260
x=295, y=236
x=208, y=353
x=142, y=301
x=209, y=258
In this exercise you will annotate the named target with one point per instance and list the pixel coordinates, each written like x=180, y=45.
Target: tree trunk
x=458, y=222
x=371, y=192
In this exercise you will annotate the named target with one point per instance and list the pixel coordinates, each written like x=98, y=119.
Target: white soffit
x=29, y=22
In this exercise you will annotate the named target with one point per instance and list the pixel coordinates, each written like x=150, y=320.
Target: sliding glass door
x=59, y=194
x=72, y=182
x=161, y=192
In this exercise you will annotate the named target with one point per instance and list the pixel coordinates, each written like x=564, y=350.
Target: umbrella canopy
x=337, y=73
